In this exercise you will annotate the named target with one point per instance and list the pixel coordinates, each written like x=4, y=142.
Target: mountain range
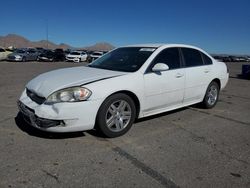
x=21, y=42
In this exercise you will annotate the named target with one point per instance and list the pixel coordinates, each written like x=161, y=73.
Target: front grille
x=11, y=57
x=34, y=97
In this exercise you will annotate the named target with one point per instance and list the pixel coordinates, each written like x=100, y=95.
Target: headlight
x=18, y=56
x=74, y=94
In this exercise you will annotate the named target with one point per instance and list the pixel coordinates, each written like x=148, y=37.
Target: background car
x=94, y=55
x=46, y=55
x=23, y=54
x=59, y=55
x=77, y=56
x=4, y=53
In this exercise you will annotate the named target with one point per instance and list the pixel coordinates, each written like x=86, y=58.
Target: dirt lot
x=190, y=147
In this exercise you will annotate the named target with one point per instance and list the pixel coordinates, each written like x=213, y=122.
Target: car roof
x=157, y=45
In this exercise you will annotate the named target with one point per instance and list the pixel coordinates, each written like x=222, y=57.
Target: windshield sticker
x=147, y=49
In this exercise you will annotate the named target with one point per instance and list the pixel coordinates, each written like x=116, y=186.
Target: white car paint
x=4, y=54
x=156, y=93
x=96, y=55
x=76, y=56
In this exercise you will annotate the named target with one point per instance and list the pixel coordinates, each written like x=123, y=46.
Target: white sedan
x=127, y=83
x=77, y=56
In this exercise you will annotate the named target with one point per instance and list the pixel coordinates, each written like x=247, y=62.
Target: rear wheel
x=212, y=95
x=116, y=115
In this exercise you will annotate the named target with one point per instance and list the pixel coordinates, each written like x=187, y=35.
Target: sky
x=217, y=26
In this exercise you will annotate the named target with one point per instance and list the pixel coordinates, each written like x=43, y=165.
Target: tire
x=211, y=96
x=116, y=115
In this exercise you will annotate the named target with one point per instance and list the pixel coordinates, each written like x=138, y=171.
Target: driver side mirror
x=159, y=67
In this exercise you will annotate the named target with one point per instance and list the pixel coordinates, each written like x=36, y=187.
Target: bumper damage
x=36, y=121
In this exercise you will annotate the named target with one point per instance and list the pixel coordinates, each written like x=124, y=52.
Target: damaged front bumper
x=31, y=118
x=59, y=117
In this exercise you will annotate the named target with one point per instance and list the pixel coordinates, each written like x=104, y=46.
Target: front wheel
x=212, y=95
x=116, y=115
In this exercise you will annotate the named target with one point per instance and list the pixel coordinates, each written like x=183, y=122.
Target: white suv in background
x=76, y=56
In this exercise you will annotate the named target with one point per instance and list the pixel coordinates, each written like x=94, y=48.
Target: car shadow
x=240, y=77
x=25, y=127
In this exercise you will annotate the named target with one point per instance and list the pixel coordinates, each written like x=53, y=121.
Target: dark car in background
x=46, y=55
x=52, y=55
x=59, y=55
x=23, y=54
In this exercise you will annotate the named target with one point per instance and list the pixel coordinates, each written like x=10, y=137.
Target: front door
x=164, y=90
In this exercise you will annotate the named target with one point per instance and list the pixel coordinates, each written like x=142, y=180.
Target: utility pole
x=47, y=33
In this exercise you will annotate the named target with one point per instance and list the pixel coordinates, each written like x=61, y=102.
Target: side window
x=32, y=51
x=206, y=59
x=192, y=57
x=169, y=56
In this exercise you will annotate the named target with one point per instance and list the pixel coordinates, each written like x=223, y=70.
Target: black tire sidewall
x=100, y=120
x=205, y=103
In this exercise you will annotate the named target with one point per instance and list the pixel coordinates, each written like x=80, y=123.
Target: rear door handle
x=206, y=71
x=179, y=75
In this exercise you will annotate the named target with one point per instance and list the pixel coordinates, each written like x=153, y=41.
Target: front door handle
x=179, y=75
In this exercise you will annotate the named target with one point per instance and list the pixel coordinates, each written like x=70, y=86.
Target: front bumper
x=59, y=117
x=73, y=59
x=14, y=58
x=31, y=118
x=40, y=58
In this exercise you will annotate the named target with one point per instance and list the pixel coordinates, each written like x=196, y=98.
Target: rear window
x=192, y=57
x=206, y=59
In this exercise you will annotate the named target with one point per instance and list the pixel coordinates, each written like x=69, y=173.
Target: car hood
x=15, y=54
x=47, y=83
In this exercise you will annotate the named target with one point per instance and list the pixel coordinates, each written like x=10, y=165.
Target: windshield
x=97, y=53
x=127, y=59
x=75, y=53
x=20, y=51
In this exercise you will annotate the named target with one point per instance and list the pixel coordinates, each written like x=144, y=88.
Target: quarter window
x=192, y=57
x=169, y=56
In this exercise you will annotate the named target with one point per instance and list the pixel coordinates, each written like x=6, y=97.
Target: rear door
x=197, y=75
x=164, y=89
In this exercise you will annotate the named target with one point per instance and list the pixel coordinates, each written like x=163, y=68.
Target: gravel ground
x=190, y=147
